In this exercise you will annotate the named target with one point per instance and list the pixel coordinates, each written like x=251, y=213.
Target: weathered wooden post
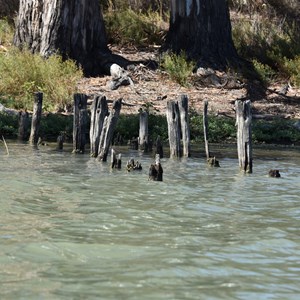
x=156, y=170
x=205, y=129
x=173, y=128
x=143, y=132
x=36, y=118
x=79, y=123
x=159, y=147
x=184, y=125
x=116, y=162
x=244, y=134
x=108, y=130
x=60, y=141
x=23, y=125
x=99, y=110
x=211, y=161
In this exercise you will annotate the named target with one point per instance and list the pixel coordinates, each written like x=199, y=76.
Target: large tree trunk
x=74, y=29
x=202, y=29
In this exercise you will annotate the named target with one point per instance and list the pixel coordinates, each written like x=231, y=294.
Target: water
x=71, y=228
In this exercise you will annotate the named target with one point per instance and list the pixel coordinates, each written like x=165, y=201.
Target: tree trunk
x=202, y=29
x=74, y=29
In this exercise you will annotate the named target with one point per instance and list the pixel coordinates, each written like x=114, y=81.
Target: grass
x=178, y=67
x=23, y=73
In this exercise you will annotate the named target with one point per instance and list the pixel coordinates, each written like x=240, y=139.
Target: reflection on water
x=71, y=228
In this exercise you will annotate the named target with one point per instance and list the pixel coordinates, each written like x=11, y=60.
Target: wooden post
x=99, y=110
x=205, y=129
x=159, y=147
x=23, y=125
x=184, y=125
x=60, y=141
x=108, y=130
x=156, y=170
x=36, y=118
x=173, y=129
x=143, y=133
x=79, y=123
x=116, y=162
x=244, y=134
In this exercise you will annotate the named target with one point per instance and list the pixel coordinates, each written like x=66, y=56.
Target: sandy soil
x=153, y=88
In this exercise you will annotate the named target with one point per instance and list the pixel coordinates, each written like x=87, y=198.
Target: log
x=36, y=118
x=79, y=123
x=99, y=110
x=184, y=125
x=173, y=129
x=205, y=129
x=23, y=125
x=156, y=170
x=109, y=125
x=143, y=132
x=244, y=135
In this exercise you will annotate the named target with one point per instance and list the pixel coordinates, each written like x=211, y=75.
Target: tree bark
x=74, y=29
x=202, y=29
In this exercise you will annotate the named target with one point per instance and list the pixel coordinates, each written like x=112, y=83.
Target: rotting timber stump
x=99, y=110
x=244, y=135
x=156, y=170
x=109, y=125
x=79, y=123
x=36, y=118
x=143, y=132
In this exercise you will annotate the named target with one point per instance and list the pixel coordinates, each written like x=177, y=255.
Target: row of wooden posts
x=103, y=122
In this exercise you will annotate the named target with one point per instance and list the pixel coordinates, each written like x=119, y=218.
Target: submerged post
x=36, y=118
x=79, y=123
x=205, y=129
x=143, y=132
x=244, y=134
x=184, y=125
x=173, y=128
x=23, y=125
x=156, y=170
x=99, y=110
x=108, y=130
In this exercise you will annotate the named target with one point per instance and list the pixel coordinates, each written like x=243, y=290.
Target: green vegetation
x=23, y=73
x=273, y=47
x=128, y=27
x=178, y=67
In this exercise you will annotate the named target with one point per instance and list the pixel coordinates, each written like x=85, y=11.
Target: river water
x=72, y=228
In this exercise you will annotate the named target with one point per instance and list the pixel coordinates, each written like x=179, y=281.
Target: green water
x=71, y=228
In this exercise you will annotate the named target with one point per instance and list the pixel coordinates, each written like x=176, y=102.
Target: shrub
x=23, y=73
x=128, y=27
x=178, y=67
